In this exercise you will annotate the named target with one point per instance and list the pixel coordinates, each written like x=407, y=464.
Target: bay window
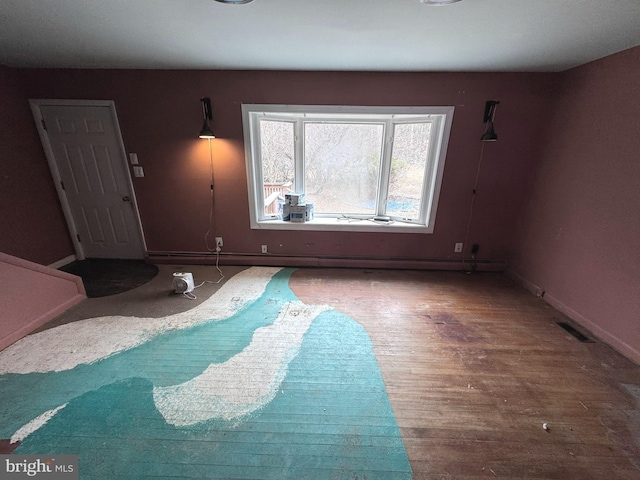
x=362, y=168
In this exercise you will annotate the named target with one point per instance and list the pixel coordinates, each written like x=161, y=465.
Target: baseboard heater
x=273, y=260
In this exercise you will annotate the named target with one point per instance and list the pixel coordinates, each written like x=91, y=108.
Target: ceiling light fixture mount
x=439, y=3
x=237, y=2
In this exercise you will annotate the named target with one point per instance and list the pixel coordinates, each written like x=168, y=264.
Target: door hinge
x=44, y=124
x=78, y=237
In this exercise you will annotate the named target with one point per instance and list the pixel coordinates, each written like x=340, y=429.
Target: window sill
x=342, y=225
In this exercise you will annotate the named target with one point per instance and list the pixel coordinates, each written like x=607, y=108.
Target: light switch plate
x=138, y=172
x=133, y=158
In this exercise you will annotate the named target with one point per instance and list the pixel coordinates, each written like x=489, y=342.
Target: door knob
x=126, y=198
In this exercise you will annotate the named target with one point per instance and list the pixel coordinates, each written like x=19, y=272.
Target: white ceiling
x=382, y=35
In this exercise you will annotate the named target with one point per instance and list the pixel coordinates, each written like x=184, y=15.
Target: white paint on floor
x=87, y=341
x=27, y=429
x=247, y=381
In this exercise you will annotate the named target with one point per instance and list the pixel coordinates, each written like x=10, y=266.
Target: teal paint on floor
x=331, y=417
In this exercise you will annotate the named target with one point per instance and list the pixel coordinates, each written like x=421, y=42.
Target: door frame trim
x=55, y=173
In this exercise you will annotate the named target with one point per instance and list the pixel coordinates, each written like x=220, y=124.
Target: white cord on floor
x=190, y=295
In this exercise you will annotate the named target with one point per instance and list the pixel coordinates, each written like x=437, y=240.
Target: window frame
x=441, y=117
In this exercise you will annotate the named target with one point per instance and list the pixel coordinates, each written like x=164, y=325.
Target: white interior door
x=87, y=150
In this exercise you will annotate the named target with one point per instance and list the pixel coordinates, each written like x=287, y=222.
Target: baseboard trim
x=616, y=343
x=62, y=262
x=272, y=260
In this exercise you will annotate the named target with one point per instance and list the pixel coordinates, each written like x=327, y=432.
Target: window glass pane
x=342, y=162
x=408, y=162
x=278, y=168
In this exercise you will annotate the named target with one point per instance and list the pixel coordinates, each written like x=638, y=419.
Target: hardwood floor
x=474, y=367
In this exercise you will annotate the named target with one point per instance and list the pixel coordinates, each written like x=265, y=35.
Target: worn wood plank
x=474, y=366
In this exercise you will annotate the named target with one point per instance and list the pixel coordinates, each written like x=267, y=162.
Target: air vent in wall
x=574, y=332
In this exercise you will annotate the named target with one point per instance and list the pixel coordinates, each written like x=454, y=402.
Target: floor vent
x=574, y=332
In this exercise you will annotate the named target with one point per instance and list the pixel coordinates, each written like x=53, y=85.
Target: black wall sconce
x=206, y=111
x=489, y=114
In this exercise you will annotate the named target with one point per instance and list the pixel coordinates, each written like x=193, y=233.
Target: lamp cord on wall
x=473, y=197
x=211, y=225
x=190, y=295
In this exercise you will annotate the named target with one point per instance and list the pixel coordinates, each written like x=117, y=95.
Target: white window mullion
x=430, y=172
x=299, y=156
x=385, y=168
x=257, y=170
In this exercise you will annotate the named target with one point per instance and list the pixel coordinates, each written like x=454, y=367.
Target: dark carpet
x=104, y=277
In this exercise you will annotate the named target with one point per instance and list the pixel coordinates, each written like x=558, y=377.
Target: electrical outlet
x=219, y=242
x=264, y=249
x=458, y=248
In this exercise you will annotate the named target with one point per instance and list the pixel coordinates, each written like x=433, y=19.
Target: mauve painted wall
x=563, y=208
x=160, y=115
x=579, y=234
x=32, y=225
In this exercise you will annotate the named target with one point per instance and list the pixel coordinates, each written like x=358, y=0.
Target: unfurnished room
x=275, y=239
